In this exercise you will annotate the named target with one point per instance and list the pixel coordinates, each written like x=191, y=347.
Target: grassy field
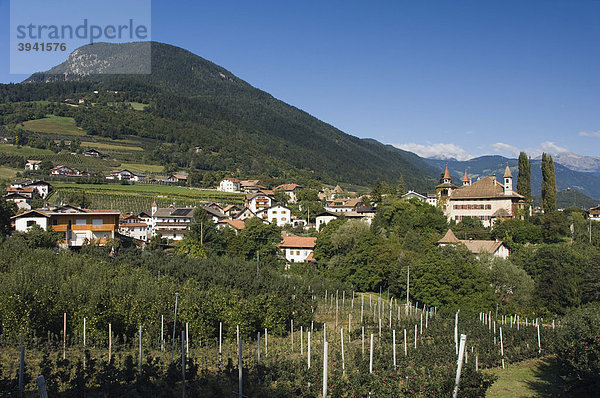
x=54, y=125
x=24, y=151
x=143, y=168
x=8, y=173
x=138, y=106
x=531, y=378
x=115, y=147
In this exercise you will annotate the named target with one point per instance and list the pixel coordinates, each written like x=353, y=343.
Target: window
x=97, y=221
x=54, y=221
x=30, y=223
x=80, y=221
x=297, y=252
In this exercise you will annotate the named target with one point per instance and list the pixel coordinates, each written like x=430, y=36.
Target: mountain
x=566, y=178
x=569, y=198
x=573, y=161
x=195, y=103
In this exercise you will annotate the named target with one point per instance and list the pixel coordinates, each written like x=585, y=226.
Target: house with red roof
x=297, y=249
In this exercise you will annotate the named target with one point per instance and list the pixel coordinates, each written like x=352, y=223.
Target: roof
x=34, y=161
x=507, y=172
x=413, y=193
x=180, y=176
x=298, y=241
x=446, y=185
x=338, y=189
x=287, y=187
x=16, y=196
x=482, y=246
x=271, y=207
x=231, y=179
x=501, y=213
x=251, y=196
x=466, y=177
x=311, y=258
x=447, y=174
x=328, y=214
x=133, y=224
x=486, y=187
x=449, y=238
x=237, y=224
x=73, y=210
x=184, y=212
x=352, y=202
x=213, y=211
x=28, y=213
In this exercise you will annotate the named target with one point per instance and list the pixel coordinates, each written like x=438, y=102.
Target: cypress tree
x=524, y=178
x=548, y=184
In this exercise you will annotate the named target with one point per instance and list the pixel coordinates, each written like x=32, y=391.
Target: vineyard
x=376, y=347
x=138, y=198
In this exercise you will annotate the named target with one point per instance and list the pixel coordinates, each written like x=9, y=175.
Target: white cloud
x=590, y=134
x=504, y=149
x=439, y=151
x=551, y=147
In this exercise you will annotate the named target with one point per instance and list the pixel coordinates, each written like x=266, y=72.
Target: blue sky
x=462, y=78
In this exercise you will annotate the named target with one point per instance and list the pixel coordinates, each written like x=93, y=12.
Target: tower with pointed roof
x=444, y=190
x=507, y=181
x=466, y=181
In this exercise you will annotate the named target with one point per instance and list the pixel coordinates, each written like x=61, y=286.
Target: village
x=487, y=199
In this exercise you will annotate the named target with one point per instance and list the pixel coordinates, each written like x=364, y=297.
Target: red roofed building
x=297, y=249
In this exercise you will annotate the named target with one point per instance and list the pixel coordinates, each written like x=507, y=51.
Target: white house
x=290, y=190
x=132, y=226
x=64, y=171
x=171, y=222
x=594, y=213
x=477, y=247
x=277, y=214
x=297, y=249
x=42, y=188
x=344, y=205
x=229, y=185
x=259, y=201
x=324, y=218
x=23, y=202
x=33, y=165
x=423, y=197
x=125, y=175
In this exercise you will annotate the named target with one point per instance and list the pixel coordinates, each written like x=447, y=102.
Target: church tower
x=507, y=181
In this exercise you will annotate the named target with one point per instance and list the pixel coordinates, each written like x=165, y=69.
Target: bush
x=578, y=344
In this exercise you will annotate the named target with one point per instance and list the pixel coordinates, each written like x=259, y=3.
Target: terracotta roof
x=466, y=177
x=447, y=174
x=501, y=213
x=133, y=224
x=446, y=185
x=231, y=179
x=486, y=187
x=287, y=187
x=507, y=172
x=34, y=161
x=237, y=224
x=311, y=258
x=482, y=246
x=449, y=238
x=298, y=241
x=338, y=189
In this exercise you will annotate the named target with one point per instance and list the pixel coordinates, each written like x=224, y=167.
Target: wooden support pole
x=371, y=356
x=109, y=342
x=308, y=350
x=325, y=349
x=343, y=358
x=394, y=345
x=183, y=342
x=463, y=341
x=64, y=335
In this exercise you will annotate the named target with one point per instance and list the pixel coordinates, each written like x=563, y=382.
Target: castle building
x=486, y=199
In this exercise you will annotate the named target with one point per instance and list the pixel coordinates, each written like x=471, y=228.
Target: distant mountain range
x=575, y=162
x=586, y=183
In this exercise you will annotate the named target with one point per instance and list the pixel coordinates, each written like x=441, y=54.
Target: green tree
x=524, y=178
x=7, y=210
x=257, y=238
x=548, y=184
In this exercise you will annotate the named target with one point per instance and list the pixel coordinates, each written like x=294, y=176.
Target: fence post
x=502, y=347
x=308, y=349
x=174, y=324
x=21, y=370
x=140, y=361
x=405, y=348
x=84, y=332
x=240, y=387
x=394, y=345
x=343, y=359
x=109, y=342
x=539, y=341
x=461, y=352
x=183, y=341
x=325, y=349
x=371, y=356
x=64, y=335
